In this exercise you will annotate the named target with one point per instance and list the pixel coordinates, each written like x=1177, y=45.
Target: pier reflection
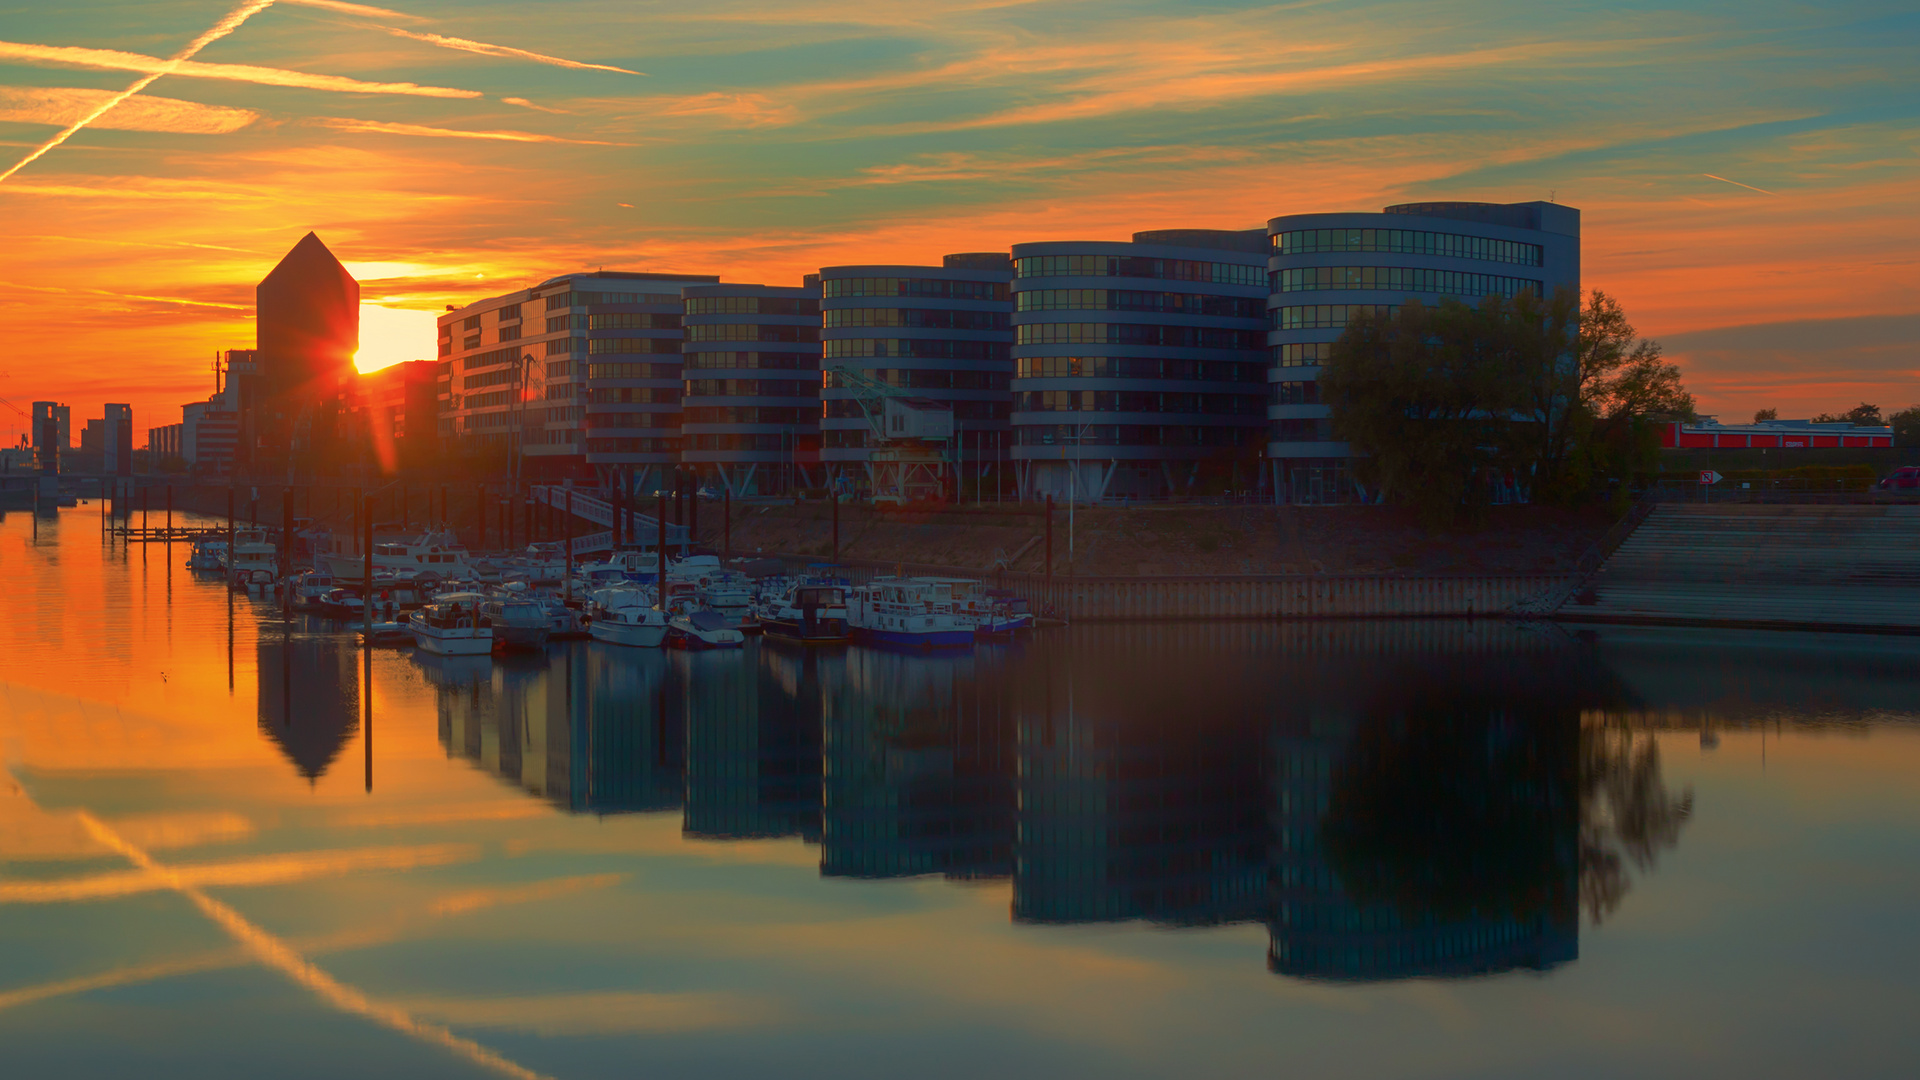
x=1389, y=800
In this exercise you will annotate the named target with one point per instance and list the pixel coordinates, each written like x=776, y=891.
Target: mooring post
x=569, y=532
x=693, y=511
x=366, y=579
x=1049, y=570
x=726, y=523
x=286, y=552
x=479, y=512
x=833, y=497
x=230, y=488
x=660, y=551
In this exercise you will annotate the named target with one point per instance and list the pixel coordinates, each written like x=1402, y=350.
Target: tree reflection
x=1627, y=816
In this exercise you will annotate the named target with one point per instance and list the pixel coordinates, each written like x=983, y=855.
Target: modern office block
x=941, y=332
x=579, y=371
x=1326, y=267
x=308, y=330
x=116, y=449
x=1138, y=366
x=750, y=411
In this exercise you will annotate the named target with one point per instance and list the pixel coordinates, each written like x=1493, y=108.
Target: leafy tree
x=1906, y=426
x=1765, y=414
x=1861, y=415
x=1558, y=396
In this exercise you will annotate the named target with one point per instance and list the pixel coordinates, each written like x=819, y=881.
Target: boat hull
x=452, y=646
x=529, y=638
x=635, y=635
x=910, y=639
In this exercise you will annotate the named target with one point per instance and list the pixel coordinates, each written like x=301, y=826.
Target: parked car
x=1904, y=478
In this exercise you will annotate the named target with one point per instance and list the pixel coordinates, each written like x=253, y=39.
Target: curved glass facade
x=750, y=405
x=1326, y=268
x=1171, y=401
x=940, y=331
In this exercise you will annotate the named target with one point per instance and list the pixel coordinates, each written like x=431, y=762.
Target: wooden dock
x=1821, y=567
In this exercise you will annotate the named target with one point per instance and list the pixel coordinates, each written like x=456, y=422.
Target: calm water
x=230, y=846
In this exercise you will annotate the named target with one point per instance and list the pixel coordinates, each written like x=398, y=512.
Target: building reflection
x=308, y=696
x=1390, y=801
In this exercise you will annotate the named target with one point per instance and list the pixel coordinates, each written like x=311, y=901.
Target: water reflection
x=1389, y=800
x=309, y=696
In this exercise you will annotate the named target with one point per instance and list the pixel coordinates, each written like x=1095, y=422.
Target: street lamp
x=514, y=446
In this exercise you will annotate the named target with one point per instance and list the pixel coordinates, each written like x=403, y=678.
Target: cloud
x=361, y=10
x=113, y=60
x=265, y=870
x=609, y=1013
x=525, y=104
x=61, y=106
x=505, y=52
x=382, y=127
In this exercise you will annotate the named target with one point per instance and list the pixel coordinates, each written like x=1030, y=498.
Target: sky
x=1747, y=172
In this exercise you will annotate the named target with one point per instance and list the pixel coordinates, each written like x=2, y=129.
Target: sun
x=390, y=336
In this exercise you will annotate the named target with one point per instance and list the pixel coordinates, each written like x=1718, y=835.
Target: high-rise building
x=579, y=371
x=49, y=436
x=400, y=409
x=116, y=443
x=308, y=328
x=1138, y=366
x=1326, y=267
x=941, y=332
x=750, y=414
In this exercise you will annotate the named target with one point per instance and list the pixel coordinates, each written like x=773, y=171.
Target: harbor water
x=234, y=844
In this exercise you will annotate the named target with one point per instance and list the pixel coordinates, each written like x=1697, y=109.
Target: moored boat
x=810, y=613
x=909, y=613
x=517, y=623
x=624, y=615
x=702, y=628
x=452, y=626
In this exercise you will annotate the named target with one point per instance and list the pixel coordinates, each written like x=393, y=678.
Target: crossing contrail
x=219, y=30
x=1737, y=183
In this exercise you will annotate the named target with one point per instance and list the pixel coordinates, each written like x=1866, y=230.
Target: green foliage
x=1439, y=399
x=1906, y=426
x=1861, y=415
x=1765, y=414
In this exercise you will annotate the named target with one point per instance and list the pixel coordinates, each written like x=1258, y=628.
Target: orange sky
x=1746, y=173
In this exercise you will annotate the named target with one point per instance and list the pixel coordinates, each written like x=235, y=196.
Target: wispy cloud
x=505, y=51
x=525, y=104
x=219, y=30
x=1737, y=183
x=113, y=60
x=382, y=127
x=361, y=10
x=62, y=106
x=265, y=870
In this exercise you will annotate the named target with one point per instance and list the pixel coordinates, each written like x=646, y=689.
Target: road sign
x=1709, y=477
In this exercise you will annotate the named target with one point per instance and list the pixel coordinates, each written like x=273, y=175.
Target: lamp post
x=515, y=445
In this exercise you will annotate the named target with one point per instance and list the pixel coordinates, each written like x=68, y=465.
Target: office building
x=308, y=327
x=750, y=414
x=116, y=442
x=49, y=434
x=400, y=407
x=1139, y=370
x=1326, y=267
x=580, y=372
x=941, y=332
x=163, y=444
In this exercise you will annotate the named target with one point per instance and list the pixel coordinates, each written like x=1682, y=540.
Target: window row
x=566, y=346
x=582, y=299
x=633, y=446
x=787, y=388
x=1302, y=353
x=1326, y=316
x=509, y=313
x=484, y=401
x=773, y=441
x=630, y=320
x=916, y=347
x=562, y=369
x=633, y=371
x=488, y=420
x=488, y=378
x=848, y=409
x=471, y=341
x=632, y=395
x=565, y=391
x=487, y=359
x=558, y=323
x=1129, y=435
x=632, y=420
x=1127, y=266
x=1136, y=401
x=563, y=414
x=1135, y=367
x=1406, y=242
x=1401, y=279
x=918, y=318
x=1234, y=307
x=749, y=414
x=446, y=348
x=751, y=305
x=510, y=333
x=752, y=332
x=1181, y=337
x=780, y=361
x=633, y=345
x=937, y=288
x=1302, y=430
x=1296, y=393
x=924, y=379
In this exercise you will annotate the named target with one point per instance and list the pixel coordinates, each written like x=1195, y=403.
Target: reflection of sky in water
x=1387, y=849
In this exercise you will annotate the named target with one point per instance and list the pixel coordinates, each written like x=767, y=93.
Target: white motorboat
x=908, y=612
x=990, y=616
x=453, y=626
x=388, y=633
x=253, y=561
x=702, y=628
x=310, y=589
x=814, y=613
x=624, y=615
x=431, y=555
x=540, y=564
x=517, y=623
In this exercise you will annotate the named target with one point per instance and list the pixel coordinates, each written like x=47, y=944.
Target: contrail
x=1737, y=183
x=506, y=51
x=220, y=29
x=279, y=955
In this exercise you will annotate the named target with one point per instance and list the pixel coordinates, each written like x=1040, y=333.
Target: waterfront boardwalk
x=1842, y=567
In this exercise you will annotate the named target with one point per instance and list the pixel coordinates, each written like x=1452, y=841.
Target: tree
x=1861, y=415
x=1906, y=426
x=1760, y=415
x=1555, y=395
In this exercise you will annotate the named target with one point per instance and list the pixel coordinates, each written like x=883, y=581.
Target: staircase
x=641, y=529
x=1811, y=566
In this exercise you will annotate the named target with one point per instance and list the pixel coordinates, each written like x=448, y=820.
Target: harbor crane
x=910, y=434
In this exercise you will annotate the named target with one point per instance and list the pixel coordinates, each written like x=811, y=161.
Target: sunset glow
x=1752, y=209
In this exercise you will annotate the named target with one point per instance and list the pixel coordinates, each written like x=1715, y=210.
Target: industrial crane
x=910, y=435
